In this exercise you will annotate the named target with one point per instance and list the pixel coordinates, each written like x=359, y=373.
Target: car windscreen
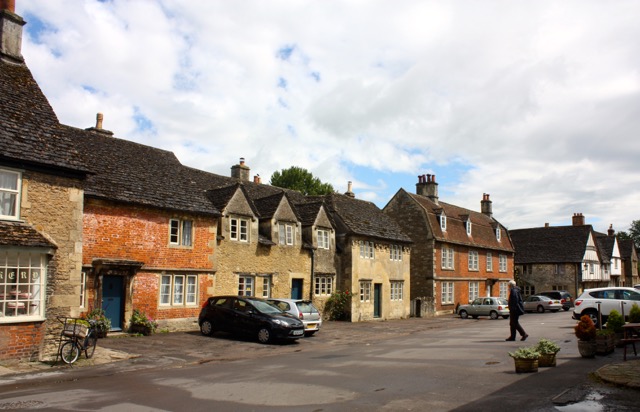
x=306, y=307
x=502, y=302
x=265, y=307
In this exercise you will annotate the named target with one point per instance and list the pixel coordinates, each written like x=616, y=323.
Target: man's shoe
x=524, y=337
x=510, y=339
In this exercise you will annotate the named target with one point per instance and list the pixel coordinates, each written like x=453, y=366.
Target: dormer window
x=498, y=234
x=239, y=229
x=10, y=194
x=323, y=239
x=285, y=233
x=468, y=225
x=443, y=222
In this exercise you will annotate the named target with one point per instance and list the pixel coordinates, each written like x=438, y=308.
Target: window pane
x=178, y=290
x=165, y=289
x=187, y=231
x=22, y=278
x=174, y=231
x=191, y=289
x=244, y=232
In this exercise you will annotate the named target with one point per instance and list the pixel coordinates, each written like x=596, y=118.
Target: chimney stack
x=427, y=187
x=349, y=192
x=10, y=32
x=611, y=232
x=241, y=171
x=256, y=179
x=98, y=127
x=485, y=205
x=578, y=219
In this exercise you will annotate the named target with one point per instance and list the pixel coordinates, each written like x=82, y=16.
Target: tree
x=300, y=179
x=633, y=234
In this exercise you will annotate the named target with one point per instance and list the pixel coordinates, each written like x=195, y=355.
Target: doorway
x=377, y=300
x=112, y=298
x=296, y=288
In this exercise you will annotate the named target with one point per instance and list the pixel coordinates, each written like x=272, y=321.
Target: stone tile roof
x=22, y=234
x=308, y=212
x=483, y=227
x=30, y=134
x=626, y=247
x=556, y=244
x=605, y=246
x=268, y=205
x=129, y=172
x=359, y=217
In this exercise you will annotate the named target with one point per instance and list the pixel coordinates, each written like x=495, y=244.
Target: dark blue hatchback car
x=250, y=316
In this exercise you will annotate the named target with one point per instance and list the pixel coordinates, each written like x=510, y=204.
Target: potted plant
x=615, y=322
x=142, y=324
x=634, y=314
x=585, y=331
x=605, y=341
x=102, y=322
x=525, y=359
x=548, y=350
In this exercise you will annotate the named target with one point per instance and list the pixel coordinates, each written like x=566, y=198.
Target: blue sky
x=536, y=103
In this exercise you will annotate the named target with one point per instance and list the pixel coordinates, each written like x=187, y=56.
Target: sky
x=536, y=103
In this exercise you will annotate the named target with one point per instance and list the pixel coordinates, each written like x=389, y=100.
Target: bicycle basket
x=74, y=329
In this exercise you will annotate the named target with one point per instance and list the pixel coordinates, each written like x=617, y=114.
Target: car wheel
x=206, y=328
x=493, y=314
x=593, y=315
x=540, y=309
x=463, y=314
x=264, y=335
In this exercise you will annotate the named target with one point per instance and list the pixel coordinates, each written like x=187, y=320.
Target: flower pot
x=526, y=365
x=605, y=344
x=547, y=360
x=587, y=348
x=140, y=329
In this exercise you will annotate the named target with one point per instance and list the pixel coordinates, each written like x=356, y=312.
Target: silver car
x=493, y=307
x=303, y=310
x=540, y=304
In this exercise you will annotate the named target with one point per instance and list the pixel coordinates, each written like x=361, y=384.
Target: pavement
x=177, y=349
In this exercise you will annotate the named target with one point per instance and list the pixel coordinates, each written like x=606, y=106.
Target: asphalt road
x=437, y=365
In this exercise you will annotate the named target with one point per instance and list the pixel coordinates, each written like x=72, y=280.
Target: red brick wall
x=21, y=340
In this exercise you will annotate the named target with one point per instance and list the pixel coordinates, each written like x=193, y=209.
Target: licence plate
x=311, y=326
x=297, y=332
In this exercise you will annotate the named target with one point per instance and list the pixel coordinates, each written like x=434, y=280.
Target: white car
x=303, y=310
x=618, y=298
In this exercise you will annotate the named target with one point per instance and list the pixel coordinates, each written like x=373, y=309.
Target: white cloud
x=536, y=103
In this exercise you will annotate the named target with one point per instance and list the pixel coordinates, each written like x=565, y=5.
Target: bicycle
x=76, y=338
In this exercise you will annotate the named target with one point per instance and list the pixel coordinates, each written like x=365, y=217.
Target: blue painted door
x=296, y=288
x=112, y=294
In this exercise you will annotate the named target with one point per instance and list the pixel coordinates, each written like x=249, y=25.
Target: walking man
x=516, y=308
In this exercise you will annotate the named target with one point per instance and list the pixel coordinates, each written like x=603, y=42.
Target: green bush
x=337, y=305
x=525, y=353
x=547, y=347
x=103, y=323
x=585, y=329
x=615, y=321
x=139, y=318
x=634, y=314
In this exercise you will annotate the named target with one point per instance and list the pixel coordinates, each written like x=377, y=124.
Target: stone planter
x=587, y=348
x=547, y=360
x=526, y=365
x=605, y=344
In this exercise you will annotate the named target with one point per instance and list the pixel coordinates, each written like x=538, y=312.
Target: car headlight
x=279, y=322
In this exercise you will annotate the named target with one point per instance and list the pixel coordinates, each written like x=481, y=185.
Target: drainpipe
x=312, y=251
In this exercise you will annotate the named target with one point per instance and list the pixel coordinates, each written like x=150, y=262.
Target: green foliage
x=103, y=323
x=634, y=314
x=337, y=305
x=525, y=353
x=585, y=329
x=633, y=234
x=615, y=321
x=300, y=179
x=139, y=318
x=547, y=347
x=604, y=332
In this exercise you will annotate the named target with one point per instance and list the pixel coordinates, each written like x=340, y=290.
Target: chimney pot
x=8, y=5
x=99, y=118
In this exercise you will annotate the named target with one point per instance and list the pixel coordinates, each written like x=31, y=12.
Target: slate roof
x=308, y=212
x=605, y=246
x=363, y=218
x=133, y=173
x=626, y=247
x=483, y=227
x=30, y=134
x=557, y=244
x=21, y=234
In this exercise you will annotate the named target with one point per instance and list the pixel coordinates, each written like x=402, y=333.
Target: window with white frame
x=10, y=185
x=397, y=290
x=489, y=262
x=559, y=269
x=504, y=290
x=285, y=233
x=527, y=290
x=468, y=224
x=365, y=291
x=443, y=222
x=266, y=286
x=181, y=232
x=367, y=250
x=323, y=239
x=473, y=260
x=498, y=234
x=447, y=258
x=474, y=290
x=22, y=281
x=502, y=263
x=447, y=292
x=323, y=285
x=178, y=290
x=239, y=229
x=83, y=287
x=245, y=285
x=395, y=252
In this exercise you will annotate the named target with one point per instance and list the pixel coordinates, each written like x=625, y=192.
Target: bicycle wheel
x=90, y=345
x=69, y=352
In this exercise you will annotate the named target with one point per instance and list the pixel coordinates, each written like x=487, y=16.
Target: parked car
x=248, y=316
x=636, y=286
x=609, y=298
x=493, y=307
x=540, y=304
x=562, y=295
x=303, y=310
